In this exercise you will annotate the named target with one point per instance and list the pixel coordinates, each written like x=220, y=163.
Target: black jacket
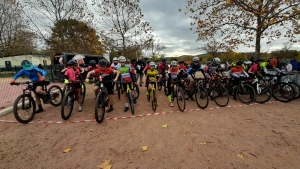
x=139, y=66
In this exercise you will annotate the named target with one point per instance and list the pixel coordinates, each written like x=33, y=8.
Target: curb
x=5, y=111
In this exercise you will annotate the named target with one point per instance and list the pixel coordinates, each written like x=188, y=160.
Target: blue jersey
x=194, y=69
x=32, y=74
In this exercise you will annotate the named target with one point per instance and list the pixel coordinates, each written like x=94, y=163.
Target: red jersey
x=174, y=72
x=132, y=68
x=162, y=67
x=95, y=75
x=146, y=68
x=104, y=74
x=73, y=74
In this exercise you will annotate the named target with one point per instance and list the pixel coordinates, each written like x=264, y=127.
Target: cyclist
x=214, y=69
x=173, y=74
x=195, y=66
x=151, y=77
x=126, y=78
x=268, y=65
x=254, y=69
x=132, y=69
x=105, y=73
x=37, y=77
x=93, y=66
x=183, y=68
x=139, y=66
x=115, y=65
x=162, y=67
x=73, y=74
x=247, y=65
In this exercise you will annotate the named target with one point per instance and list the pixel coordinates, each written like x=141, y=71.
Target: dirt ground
x=255, y=136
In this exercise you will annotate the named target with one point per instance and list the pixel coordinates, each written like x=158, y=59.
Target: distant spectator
x=294, y=63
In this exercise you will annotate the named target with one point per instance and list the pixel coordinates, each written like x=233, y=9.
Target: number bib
x=126, y=78
x=199, y=75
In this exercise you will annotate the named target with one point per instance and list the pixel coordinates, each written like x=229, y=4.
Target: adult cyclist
x=37, y=77
x=194, y=67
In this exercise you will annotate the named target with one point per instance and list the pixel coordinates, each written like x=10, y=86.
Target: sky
x=172, y=28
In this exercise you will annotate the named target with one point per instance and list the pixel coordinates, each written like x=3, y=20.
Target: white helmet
x=173, y=63
x=195, y=59
x=151, y=64
x=122, y=59
x=217, y=60
x=115, y=59
x=248, y=62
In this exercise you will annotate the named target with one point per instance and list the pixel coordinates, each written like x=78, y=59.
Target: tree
x=153, y=48
x=122, y=22
x=44, y=14
x=74, y=36
x=15, y=36
x=244, y=21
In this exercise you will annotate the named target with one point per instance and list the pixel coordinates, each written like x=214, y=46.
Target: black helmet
x=239, y=63
x=181, y=62
x=71, y=63
x=163, y=59
x=93, y=63
x=132, y=60
x=102, y=62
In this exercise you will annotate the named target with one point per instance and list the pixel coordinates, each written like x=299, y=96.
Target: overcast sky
x=173, y=29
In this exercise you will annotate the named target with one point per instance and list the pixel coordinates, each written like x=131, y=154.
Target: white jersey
x=115, y=67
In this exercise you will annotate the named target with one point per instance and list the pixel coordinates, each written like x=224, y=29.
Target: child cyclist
x=151, y=77
x=37, y=77
x=106, y=73
x=72, y=74
x=126, y=78
x=173, y=74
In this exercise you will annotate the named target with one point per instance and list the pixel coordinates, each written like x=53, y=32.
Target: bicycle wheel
x=100, y=108
x=64, y=90
x=131, y=104
x=148, y=96
x=67, y=105
x=220, y=95
x=180, y=100
x=159, y=85
x=296, y=88
x=245, y=93
x=83, y=92
x=283, y=92
x=119, y=90
x=137, y=91
x=26, y=104
x=154, y=101
x=263, y=93
x=56, y=95
x=201, y=97
x=165, y=88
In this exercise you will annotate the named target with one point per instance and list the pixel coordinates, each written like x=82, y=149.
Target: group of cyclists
x=130, y=72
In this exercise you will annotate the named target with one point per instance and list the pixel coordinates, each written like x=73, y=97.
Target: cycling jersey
x=254, y=68
x=132, y=68
x=115, y=66
x=73, y=74
x=125, y=74
x=104, y=74
x=173, y=73
x=152, y=75
x=95, y=75
x=32, y=74
x=162, y=67
x=211, y=69
x=146, y=68
x=194, y=68
x=236, y=72
x=183, y=68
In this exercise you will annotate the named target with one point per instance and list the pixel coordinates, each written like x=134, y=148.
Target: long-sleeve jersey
x=236, y=72
x=32, y=74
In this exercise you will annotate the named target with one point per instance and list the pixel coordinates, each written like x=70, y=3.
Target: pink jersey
x=73, y=74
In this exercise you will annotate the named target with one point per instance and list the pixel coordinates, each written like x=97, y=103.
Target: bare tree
x=153, y=48
x=287, y=46
x=122, y=22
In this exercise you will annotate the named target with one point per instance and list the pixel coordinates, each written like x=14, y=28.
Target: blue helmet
x=27, y=65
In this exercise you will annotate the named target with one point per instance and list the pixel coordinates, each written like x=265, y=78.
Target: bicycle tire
x=64, y=90
x=241, y=89
x=131, y=104
x=283, y=86
x=154, y=101
x=31, y=103
x=83, y=92
x=297, y=89
x=221, y=92
x=263, y=91
x=137, y=91
x=119, y=90
x=66, y=101
x=180, y=97
x=100, y=108
x=203, y=96
x=148, y=96
x=54, y=96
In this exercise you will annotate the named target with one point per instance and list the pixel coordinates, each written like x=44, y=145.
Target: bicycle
x=243, y=91
x=151, y=94
x=69, y=99
x=161, y=84
x=28, y=102
x=83, y=89
x=130, y=99
x=293, y=84
x=218, y=92
x=263, y=92
x=178, y=92
x=102, y=101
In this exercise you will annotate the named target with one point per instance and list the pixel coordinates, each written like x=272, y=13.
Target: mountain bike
x=102, y=101
x=26, y=102
x=178, y=93
x=218, y=92
x=201, y=95
x=152, y=94
x=263, y=92
x=83, y=88
x=242, y=90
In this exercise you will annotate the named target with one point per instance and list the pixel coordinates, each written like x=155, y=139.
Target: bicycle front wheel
x=283, y=92
x=220, y=96
x=56, y=95
x=263, y=93
x=131, y=103
x=137, y=91
x=201, y=97
x=180, y=100
x=83, y=92
x=245, y=93
x=154, y=101
x=100, y=108
x=296, y=88
x=119, y=90
x=24, y=108
x=67, y=105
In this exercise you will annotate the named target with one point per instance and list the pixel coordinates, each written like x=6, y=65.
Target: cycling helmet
x=93, y=63
x=122, y=59
x=102, y=62
x=174, y=63
x=248, y=62
x=163, y=59
x=195, y=59
x=71, y=63
x=181, y=62
x=115, y=59
x=151, y=64
x=217, y=60
x=26, y=65
x=239, y=63
x=132, y=60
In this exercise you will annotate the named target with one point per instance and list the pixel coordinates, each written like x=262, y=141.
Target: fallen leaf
x=0, y=158
x=257, y=135
x=191, y=122
x=67, y=150
x=145, y=148
x=164, y=126
x=203, y=143
x=247, y=120
x=91, y=129
x=240, y=156
x=105, y=164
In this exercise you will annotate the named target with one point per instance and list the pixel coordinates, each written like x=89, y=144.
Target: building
x=13, y=61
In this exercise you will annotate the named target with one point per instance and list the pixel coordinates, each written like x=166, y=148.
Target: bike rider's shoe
x=40, y=110
x=171, y=105
x=79, y=108
x=109, y=110
x=47, y=99
x=126, y=109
